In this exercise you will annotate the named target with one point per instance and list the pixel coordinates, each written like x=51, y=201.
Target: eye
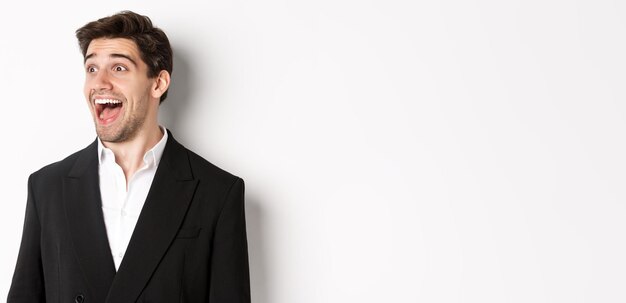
x=91, y=69
x=119, y=68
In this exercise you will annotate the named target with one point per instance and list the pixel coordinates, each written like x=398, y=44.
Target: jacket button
x=79, y=299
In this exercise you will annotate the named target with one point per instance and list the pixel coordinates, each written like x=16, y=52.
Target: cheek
x=87, y=88
x=137, y=90
x=86, y=93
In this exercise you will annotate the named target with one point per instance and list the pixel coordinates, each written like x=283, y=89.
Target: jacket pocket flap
x=188, y=232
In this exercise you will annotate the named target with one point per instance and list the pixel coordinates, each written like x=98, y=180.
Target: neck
x=129, y=154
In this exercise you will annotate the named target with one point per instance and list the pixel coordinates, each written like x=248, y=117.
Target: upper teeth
x=107, y=101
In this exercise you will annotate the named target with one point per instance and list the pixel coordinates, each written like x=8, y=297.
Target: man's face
x=117, y=89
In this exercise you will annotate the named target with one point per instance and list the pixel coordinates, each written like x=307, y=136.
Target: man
x=135, y=216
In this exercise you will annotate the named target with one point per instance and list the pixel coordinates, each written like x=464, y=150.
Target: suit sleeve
x=28, y=281
x=230, y=276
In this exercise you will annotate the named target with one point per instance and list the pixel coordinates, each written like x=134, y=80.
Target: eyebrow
x=114, y=55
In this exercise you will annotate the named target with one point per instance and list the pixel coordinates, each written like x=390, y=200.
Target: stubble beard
x=127, y=129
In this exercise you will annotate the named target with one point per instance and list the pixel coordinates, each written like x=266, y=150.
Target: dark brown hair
x=151, y=41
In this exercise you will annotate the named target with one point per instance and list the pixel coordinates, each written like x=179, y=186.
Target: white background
x=393, y=151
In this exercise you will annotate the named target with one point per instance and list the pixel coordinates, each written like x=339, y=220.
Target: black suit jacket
x=189, y=244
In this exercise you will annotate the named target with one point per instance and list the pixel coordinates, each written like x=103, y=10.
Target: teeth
x=107, y=101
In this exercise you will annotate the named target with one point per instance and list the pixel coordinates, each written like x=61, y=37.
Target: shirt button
x=124, y=213
x=120, y=255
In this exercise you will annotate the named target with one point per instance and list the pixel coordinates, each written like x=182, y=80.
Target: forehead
x=104, y=47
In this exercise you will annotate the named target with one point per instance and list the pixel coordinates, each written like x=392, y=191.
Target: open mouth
x=107, y=110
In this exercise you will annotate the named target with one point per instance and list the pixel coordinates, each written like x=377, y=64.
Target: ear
x=160, y=85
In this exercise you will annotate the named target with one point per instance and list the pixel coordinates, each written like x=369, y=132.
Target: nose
x=101, y=81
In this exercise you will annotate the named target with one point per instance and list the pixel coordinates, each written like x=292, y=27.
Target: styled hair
x=151, y=41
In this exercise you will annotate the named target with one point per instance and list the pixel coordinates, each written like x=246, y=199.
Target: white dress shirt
x=121, y=207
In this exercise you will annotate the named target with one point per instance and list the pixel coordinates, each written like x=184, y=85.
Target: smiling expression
x=117, y=89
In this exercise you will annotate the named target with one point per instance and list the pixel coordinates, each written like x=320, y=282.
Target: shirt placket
x=126, y=226
x=122, y=196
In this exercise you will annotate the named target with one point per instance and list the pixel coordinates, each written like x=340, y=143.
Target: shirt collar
x=152, y=156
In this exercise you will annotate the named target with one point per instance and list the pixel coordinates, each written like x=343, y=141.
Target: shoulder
x=215, y=185
x=62, y=168
x=203, y=168
x=188, y=164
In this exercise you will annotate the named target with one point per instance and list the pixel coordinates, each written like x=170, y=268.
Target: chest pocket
x=188, y=233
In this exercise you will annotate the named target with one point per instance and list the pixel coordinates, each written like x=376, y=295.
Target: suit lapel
x=83, y=208
x=171, y=192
